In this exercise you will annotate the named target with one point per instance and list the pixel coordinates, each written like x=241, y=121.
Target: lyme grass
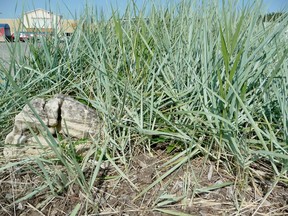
x=202, y=79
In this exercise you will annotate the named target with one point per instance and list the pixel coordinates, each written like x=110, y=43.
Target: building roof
x=40, y=9
x=4, y=25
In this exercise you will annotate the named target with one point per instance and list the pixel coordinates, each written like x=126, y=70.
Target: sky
x=71, y=8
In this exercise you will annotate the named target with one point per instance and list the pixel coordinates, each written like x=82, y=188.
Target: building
x=5, y=32
x=68, y=26
x=13, y=23
x=40, y=20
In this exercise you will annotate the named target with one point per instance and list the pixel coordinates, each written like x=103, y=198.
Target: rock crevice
x=60, y=115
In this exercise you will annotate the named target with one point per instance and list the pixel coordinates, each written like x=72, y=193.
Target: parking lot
x=6, y=48
x=19, y=48
x=4, y=51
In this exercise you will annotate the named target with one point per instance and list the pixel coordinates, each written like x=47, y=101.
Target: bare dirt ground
x=196, y=188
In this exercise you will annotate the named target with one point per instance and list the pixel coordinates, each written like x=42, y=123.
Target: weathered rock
x=77, y=120
x=26, y=121
x=60, y=115
x=52, y=109
x=44, y=141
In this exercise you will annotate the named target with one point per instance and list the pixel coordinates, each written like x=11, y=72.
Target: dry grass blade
x=172, y=212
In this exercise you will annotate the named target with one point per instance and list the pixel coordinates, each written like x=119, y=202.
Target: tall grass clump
x=196, y=78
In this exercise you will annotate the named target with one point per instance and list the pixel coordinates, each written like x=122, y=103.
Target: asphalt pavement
x=5, y=51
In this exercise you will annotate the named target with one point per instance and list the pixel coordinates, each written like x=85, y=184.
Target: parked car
x=12, y=37
x=24, y=36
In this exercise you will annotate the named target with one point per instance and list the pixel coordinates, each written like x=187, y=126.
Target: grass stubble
x=198, y=90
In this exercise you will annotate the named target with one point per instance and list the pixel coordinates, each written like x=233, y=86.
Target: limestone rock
x=44, y=141
x=78, y=120
x=60, y=115
x=26, y=121
x=52, y=108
